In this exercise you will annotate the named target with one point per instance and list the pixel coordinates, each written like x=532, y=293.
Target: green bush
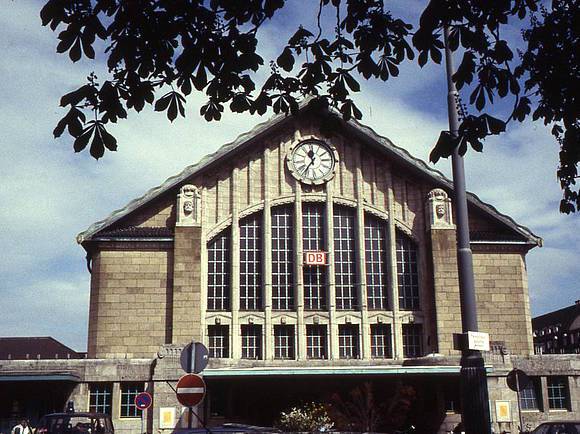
x=310, y=417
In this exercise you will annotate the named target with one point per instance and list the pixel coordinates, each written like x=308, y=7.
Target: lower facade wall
x=430, y=397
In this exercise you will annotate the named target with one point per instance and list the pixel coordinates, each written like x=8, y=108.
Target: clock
x=312, y=161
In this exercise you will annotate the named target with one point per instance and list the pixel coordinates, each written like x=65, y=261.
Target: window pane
x=557, y=393
x=376, y=262
x=282, y=258
x=251, y=262
x=316, y=341
x=381, y=341
x=408, y=278
x=128, y=393
x=348, y=341
x=218, y=286
x=412, y=340
x=251, y=341
x=219, y=341
x=313, y=239
x=100, y=398
x=530, y=395
x=344, y=258
x=284, y=342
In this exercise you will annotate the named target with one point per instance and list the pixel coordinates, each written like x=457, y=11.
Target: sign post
x=194, y=358
x=517, y=380
x=143, y=401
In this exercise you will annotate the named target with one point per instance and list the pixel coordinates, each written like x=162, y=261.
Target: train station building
x=310, y=256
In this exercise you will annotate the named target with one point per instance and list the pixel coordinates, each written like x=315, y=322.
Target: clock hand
x=306, y=169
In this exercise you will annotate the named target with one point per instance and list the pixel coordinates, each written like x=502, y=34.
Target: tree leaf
x=109, y=141
x=75, y=51
x=494, y=125
x=97, y=149
x=163, y=102
x=286, y=60
x=172, y=109
x=82, y=141
x=443, y=148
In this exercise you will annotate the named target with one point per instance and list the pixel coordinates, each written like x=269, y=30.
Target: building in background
x=558, y=332
x=311, y=256
x=33, y=393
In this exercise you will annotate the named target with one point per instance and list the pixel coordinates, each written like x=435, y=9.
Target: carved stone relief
x=439, y=210
x=189, y=206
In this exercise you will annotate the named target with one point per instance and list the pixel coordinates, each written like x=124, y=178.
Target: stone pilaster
x=445, y=275
x=393, y=278
x=186, y=306
x=299, y=276
x=330, y=276
x=267, y=262
x=364, y=328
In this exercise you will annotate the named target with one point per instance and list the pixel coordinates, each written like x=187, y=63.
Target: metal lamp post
x=474, y=396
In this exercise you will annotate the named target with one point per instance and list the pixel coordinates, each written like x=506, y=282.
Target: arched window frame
x=251, y=260
x=407, y=263
x=283, y=257
x=377, y=254
x=219, y=272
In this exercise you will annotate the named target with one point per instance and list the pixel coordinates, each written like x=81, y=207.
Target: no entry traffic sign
x=190, y=390
x=143, y=400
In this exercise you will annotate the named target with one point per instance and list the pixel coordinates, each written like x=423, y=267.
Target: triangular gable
x=364, y=133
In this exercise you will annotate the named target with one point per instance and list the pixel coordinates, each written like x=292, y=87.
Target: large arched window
x=282, y=258
x=315, y=277
x=407, y=273
x=344, y=258
x=251, y=262
x=218, y=285
x=313, y=239
x=376, y=262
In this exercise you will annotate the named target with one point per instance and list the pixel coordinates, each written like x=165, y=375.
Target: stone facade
x=151, y=260
x=256, y=181
x=130, y=282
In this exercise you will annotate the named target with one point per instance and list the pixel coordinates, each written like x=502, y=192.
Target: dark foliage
x=368, y=410
x=160, y=51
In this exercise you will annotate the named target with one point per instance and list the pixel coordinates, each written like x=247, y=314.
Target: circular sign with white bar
x=190, y=390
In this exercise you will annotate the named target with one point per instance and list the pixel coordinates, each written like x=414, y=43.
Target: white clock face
x=312, y=162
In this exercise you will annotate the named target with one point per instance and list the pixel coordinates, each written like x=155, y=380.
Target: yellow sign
x=503, y=411
x=167, y=417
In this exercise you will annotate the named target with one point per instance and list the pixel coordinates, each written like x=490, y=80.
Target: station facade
x=311, y=256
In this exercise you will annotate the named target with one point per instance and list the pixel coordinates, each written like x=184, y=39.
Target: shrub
x=310, y=417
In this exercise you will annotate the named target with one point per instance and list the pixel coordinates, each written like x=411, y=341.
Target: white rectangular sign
x=503, y=411
x=167, y=417
x=478, y=341
x=314, y=258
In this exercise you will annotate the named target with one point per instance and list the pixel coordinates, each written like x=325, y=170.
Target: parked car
x=75, y=423
x=558, y=427
x=231, y=428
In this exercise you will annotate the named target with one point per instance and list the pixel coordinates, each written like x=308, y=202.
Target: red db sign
x=314, y=258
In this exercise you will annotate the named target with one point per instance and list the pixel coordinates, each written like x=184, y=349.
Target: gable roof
x=363, y=132
x=564, y=317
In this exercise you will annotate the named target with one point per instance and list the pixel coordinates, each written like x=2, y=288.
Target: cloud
x=48, y=308
x=49, y=194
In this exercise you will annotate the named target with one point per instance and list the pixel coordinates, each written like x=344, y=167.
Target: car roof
x=550, y=422
x=76, y=414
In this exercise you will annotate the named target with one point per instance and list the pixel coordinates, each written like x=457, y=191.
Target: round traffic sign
x=143, y=400
x=190, y=390
x=517, y=380
x=200, y=355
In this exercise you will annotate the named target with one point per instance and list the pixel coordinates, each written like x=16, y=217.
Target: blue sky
x=49, y=194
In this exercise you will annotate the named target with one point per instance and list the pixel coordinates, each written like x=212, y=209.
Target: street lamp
x=474, y=396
